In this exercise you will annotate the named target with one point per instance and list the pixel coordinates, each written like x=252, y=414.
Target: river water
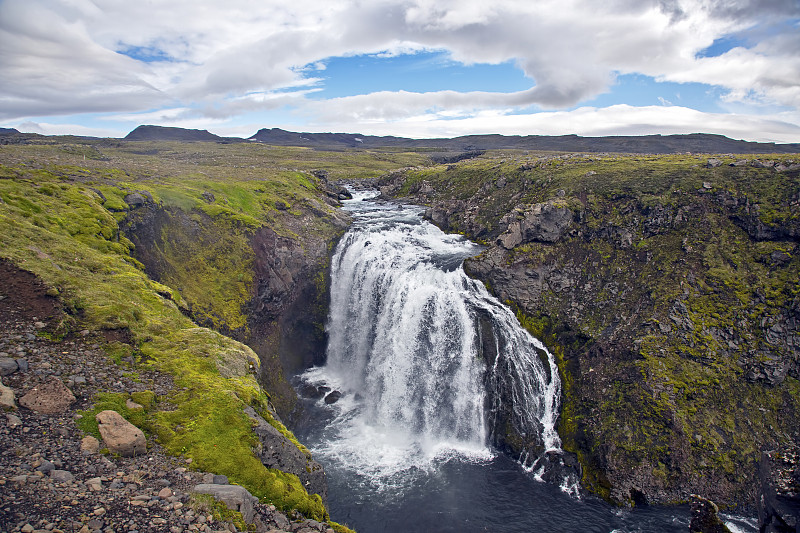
x=406, y=445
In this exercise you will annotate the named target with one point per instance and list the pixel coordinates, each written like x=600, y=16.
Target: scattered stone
x=119, y=435
x=220, y=479
x=46, y=467
x=90, y=444
x=130, y=404
x=22, y=365
x=7, y=398
x=8, y=366
x=165, y=493
x=713, y=163
x=62, y=476
x=50, y=398
x=13, y=421
x=134, y=199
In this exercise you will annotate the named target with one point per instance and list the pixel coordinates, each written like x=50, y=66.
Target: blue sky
x=416, y=68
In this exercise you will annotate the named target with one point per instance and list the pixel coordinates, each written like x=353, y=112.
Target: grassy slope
x=54, y=223
x=659, y=403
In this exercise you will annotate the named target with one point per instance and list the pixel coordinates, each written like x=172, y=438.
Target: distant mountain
x=162, y=133
x=8, y=131
x=650, y=144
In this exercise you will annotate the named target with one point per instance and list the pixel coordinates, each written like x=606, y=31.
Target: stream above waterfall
x=425, y=372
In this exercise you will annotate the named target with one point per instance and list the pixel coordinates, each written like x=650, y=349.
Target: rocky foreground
x=53, y=477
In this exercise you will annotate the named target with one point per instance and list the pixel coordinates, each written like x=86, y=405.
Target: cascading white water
x=405, y=349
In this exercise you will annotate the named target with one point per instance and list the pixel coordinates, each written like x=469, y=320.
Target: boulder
x=545, y=222
x=50, y=398
x=7, y=366
x=90, y=445
x=119, y=435
x=333, y=397
x=134, y=199
x=235, y=497
x=704, y=516
x=7, y=398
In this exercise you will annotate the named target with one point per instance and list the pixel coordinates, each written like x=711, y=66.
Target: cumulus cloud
x=215, y=60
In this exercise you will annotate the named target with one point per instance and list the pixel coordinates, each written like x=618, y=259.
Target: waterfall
x=408, y=335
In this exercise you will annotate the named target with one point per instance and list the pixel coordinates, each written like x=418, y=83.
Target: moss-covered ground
x=61, y=205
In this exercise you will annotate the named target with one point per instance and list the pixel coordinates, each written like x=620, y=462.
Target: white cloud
x=217, y=60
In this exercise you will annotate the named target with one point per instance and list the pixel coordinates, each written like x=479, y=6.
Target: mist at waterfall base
x=406, y=446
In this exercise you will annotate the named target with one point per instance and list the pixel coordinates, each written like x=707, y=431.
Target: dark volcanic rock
x=779, y=495
x=333, y=397
x=545, y=222
x=704, y=517
x=276, y=451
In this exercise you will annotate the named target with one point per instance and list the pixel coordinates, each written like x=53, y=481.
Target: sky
x=412, y=68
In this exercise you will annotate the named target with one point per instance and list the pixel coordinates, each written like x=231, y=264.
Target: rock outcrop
x=277, y=451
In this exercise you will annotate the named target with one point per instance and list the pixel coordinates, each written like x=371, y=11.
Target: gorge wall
x=669, y=288
x=261, y=287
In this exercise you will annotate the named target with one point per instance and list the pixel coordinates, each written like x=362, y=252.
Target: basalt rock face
x=266, y=289
x=668, y=290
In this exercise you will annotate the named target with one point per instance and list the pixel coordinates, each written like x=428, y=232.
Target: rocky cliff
x=669, y=289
